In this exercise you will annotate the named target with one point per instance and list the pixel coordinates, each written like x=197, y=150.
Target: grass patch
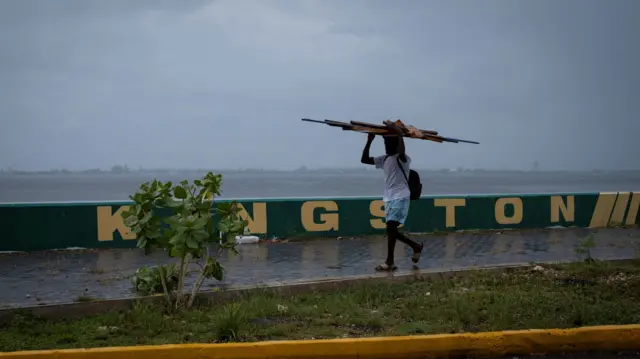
x=558, y=296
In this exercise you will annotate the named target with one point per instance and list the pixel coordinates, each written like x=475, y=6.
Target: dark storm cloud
x=224, y=83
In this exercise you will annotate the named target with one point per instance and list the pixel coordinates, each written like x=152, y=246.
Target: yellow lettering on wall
x=568, y=209
x=501, y=203
x=632, y=215
x=602, y=211
x=328, y=221
x=450, y=204
x=110, y=222
x=617, y=216
x=376, y=208
x=257, y=224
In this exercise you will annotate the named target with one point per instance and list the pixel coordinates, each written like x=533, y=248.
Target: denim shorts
x=397, y=210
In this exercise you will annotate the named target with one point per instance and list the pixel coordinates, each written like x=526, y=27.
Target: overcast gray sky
x=223, y=84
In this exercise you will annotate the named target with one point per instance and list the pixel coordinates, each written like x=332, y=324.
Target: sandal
x=384, y=267
x=416, y=255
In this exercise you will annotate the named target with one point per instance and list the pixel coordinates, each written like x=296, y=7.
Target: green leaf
x=237, y=226
x=176, y=252
x=142, y=242
x=147, y=217
x=223, y=227
x=173, y=221
x=136, y=229
x=224, y=209
x=143, y=287
x=192, y=243
x=213, y=269
x=200, y=222
x=180, y=192
x=131, y=221
x=204, y=206
x=218, y=271
x=154, y=233
x=200, y=235
x=177, y=240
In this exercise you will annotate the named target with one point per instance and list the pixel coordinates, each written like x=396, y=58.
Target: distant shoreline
x=107, y=186
x=294, y=172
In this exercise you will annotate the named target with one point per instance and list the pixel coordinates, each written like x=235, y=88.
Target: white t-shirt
x=395, y=185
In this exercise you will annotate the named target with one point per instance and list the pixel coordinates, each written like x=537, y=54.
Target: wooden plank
x=338, y=123
x=366, y=124
x=456, y=140
x=314, y=121
x=415, y=129
x=409, y=131
x=412, y=132
x=428, y=132
x=328, y=122
x=434, y=139
x=367, y=130
x=373, y=125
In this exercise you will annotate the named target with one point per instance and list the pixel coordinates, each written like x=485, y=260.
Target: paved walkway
x=62, y=277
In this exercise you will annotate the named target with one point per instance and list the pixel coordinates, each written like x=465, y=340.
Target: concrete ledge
x=493, y=344
x=75, y=310
x=72, y=225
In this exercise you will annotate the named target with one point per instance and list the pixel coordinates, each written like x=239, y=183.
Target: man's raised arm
x=366, y=158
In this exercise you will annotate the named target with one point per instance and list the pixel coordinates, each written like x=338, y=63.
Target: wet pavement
x=62, y=277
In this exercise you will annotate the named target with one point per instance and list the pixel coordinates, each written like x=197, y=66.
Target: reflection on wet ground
x=62, y=277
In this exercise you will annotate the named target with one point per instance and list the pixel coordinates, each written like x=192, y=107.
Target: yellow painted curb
x=615, y=337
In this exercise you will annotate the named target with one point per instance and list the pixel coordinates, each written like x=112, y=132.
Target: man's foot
x=416, y=254
x=384, y=267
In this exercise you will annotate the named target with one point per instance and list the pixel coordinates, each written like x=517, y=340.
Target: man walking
x=395, y=165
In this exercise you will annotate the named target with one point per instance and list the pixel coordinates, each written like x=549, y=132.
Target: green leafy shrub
x=148, y=280
x=182, y=220
x=585, y=246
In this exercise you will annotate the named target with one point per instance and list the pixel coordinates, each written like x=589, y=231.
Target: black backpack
x=415, y=187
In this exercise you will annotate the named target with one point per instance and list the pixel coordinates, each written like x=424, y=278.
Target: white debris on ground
x=108, y=329
x=620, y=278
x=247, y=239
x=546, y=271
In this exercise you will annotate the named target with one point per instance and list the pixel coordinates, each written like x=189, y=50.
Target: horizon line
x=124, y=170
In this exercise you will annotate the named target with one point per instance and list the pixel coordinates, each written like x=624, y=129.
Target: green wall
x=42, y=226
